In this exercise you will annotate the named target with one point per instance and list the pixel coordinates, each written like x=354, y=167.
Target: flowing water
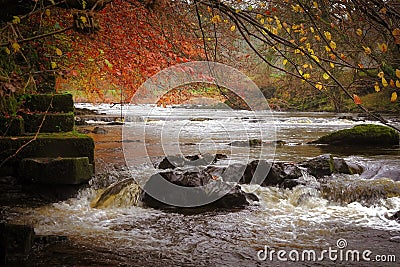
x=304, y=218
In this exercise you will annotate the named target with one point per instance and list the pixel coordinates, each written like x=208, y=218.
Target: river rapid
x=290, y=220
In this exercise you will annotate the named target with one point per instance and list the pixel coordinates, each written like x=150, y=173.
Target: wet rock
x=320, y=166
x=172, y=162
x=198, y=190
x=80, y=122
x=200, y=119
x=122, y=194
x=341, y=166
x=395, y=217
x=362, y=135
x=99, y=130
x=266, y=174
x=247, y=143
x=355, y=168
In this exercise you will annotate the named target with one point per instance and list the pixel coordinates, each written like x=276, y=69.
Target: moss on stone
x=76, y=170
x=362, y=135
x=11, y=126
x=41, y=102
x=54, y=145
x=53, y=123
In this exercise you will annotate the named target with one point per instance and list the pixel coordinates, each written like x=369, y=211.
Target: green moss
x=59, y=170
x=62, y=122
x=48, y=145
x=366, y=135
x=11, y=126
x=41, y=102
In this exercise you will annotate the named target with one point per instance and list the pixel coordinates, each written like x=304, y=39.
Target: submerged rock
x=367, y=192
x=362, y=135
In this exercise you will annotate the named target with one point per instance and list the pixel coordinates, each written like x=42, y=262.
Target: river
x=289, y=220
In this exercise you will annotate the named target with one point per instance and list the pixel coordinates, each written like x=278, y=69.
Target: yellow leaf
x=16, y=47
x=325, y=76
x=392, y=83
x=284, y=62
x=16, y=20
x=48, y=12
x=394, y=97
x=332, y=45
x=303, y=39
x=83, y=19
x=397, y=83
x=367, y=50
x=53, y=65
x=377, y=88
x=7, y=50
x=262, y=21
x=301, y=72
x=328, y=35
x=398, y=73
x=319, y=86
x=381, y=74
x=383, y=47
x=359, y=32
x=315, y=4
x=216, y=19
x=396, y=35
x=332, y=65
x=259, y=16
x=384, y=82
x=58, y=52
x=317, y=38
x=327, y=48
x=250, y=8
x=305, y=66
x=297, y=51
x=233, y=28
x=315, y=58
x=306, y=75
x=312, y=30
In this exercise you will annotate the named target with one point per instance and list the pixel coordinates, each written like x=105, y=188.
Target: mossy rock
x=53, y=123
x=47, y=145
x=59, y=170
x=362, y=135
x=41, y=102
x=11, y=126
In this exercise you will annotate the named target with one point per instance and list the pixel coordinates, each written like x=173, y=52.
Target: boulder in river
x=194, y=190
x=172, y=162
x=325, y=165
x=269, y=174
x=362, y=135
